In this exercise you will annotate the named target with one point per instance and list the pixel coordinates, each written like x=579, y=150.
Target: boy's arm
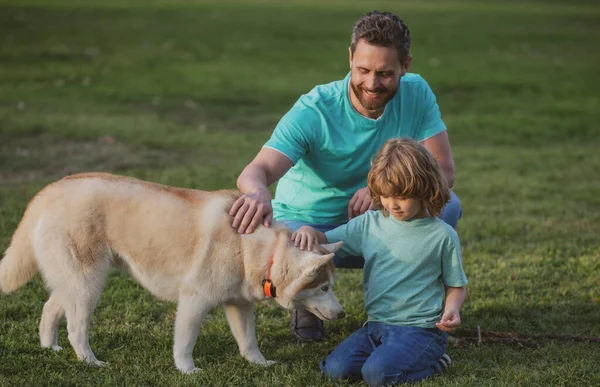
x=455, y=298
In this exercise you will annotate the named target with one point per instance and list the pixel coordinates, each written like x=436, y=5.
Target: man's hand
x=254, y=206
x=360, y=203
x=250, y=210
x=450, y=320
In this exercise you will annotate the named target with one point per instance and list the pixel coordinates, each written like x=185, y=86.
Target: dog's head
x=310, y=282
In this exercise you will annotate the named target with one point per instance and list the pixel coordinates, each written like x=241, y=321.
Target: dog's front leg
x=191, y=310
x=241, y=322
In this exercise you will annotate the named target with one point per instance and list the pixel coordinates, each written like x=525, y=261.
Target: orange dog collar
x=268, y=287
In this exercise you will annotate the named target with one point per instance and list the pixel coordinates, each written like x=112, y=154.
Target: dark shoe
x=306, y=326
x=445, y=362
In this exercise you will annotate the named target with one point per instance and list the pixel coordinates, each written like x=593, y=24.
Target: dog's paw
x=54, y=347
x=191, y=370
x=264, y=363
x=185, y=365
x=99, y=363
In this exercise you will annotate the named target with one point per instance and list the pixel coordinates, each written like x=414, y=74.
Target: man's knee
x=452, y=212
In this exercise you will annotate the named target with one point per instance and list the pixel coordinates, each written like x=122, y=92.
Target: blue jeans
x=451, y=212
x=382, y=354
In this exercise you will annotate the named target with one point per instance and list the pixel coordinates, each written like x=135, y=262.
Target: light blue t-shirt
x=407, y=265
x=331, y=146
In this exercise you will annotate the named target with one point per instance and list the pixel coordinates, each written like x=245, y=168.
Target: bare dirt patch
x=39, y=158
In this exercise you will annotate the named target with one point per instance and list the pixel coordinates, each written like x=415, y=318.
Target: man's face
x=375, y=77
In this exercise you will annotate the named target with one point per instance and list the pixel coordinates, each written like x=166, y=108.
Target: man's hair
x=405, y=168
x=382, y=29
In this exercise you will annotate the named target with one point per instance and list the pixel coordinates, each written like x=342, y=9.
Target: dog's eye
x=325, y=288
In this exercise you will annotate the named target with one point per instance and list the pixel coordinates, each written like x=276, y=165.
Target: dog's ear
x=332, y=247
x=315, y=263
x=325, y=259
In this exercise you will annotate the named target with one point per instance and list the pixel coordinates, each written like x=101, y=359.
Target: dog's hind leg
x=79, y=314
x=79, y=298
x=51, y=315
x=191, y=310
x=241, y=322
x=74, y=266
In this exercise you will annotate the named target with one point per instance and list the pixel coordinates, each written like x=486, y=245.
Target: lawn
x=186, y=92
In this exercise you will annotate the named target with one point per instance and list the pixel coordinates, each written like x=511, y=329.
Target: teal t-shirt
x=407, y=265
x=331, y=146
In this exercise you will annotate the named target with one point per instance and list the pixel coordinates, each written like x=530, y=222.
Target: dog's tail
x=18, y=265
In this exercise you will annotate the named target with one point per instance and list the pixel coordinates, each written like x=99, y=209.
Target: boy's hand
x=305, y=237
x=450, y=320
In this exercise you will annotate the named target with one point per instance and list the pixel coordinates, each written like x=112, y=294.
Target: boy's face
x=404, y=209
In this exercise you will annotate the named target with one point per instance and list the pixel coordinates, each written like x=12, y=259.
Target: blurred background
x=186, y=92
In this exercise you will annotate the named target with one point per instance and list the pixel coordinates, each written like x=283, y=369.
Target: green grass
x=186, y=92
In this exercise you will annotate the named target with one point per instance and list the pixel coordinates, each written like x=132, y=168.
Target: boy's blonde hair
x=405, y=168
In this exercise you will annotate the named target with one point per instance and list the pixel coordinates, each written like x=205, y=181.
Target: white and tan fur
x=177, y=243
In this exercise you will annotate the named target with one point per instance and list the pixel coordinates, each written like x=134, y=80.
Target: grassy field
x=186, y=92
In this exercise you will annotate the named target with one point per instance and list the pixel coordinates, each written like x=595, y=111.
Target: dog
x=177, y=243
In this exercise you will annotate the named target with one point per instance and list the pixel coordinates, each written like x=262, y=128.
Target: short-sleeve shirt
x=407, y=264
x=332, y=145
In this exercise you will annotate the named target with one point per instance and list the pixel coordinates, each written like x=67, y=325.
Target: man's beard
x=377, y=104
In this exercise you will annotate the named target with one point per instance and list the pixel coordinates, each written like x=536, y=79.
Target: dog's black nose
x=342, y=314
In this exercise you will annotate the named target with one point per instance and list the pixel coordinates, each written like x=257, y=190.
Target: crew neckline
x=413, y=222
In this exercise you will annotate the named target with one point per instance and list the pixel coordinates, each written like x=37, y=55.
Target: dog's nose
x=342, y=314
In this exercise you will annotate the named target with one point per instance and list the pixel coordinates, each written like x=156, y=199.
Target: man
x=321, y=149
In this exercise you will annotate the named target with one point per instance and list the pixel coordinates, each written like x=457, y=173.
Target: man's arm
x=439, y=146
x=254, y=206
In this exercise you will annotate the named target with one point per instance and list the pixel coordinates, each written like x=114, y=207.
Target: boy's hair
x=382, y=29
x=405, y=168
